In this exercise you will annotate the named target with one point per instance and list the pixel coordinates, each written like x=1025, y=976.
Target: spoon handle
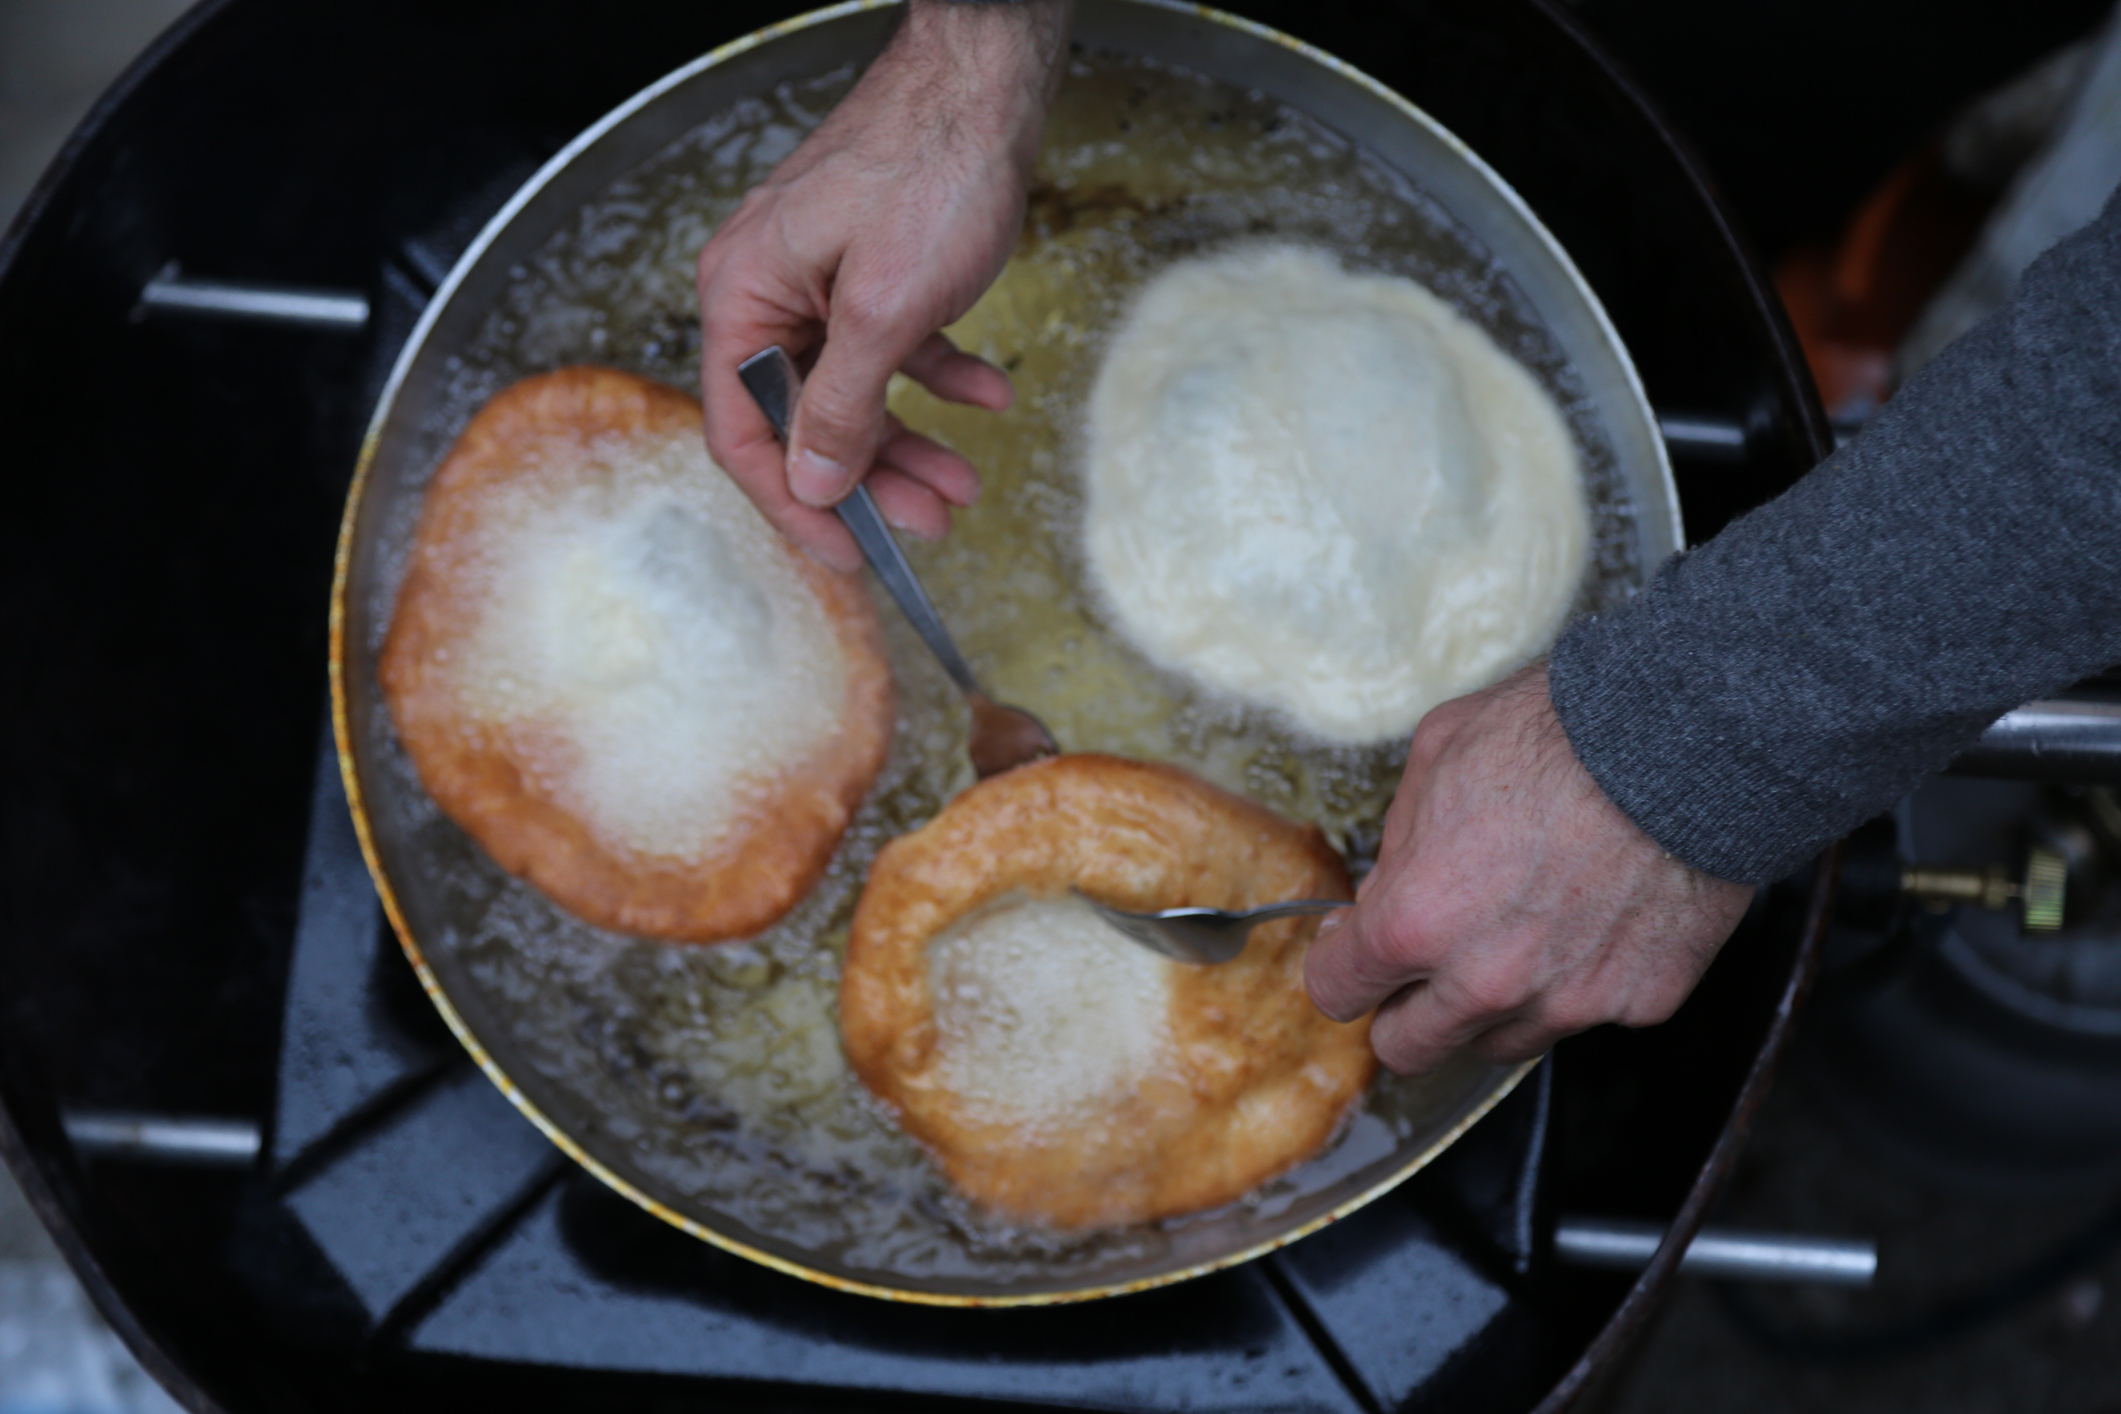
x=1293, y=908
x=860, y=515
x=774, y=384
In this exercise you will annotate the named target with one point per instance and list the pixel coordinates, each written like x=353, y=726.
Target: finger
x=819, y=535
x=1419, y=1028
x=736, y=322
x=1515, y=1041
x=739, y=438
x=1399, y=815
x=958, y=377
x=929, y=462
x=908, y=505
x=756, y=466
x=1324, y=967
x=839, y=421
x=1363, y=955
x=754, y=459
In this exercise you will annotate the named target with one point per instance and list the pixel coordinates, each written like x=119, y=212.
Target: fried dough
x=614, y=675
x=1326, y=492
x=1060, y=1074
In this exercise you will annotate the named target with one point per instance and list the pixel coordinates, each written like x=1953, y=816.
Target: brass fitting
x=2040, y=889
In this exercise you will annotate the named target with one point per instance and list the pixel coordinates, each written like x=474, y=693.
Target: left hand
x=1512, y=903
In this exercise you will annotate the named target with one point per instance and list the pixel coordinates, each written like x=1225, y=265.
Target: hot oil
x=1144, y=166
x=716, y=1071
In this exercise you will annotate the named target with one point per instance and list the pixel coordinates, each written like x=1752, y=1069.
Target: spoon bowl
x=1203, y=937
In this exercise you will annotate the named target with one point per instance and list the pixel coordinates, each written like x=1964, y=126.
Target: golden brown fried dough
x=1059, y=1073
x=614, y=675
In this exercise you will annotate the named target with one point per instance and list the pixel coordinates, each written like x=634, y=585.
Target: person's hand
x=1512, y=903
x=885, y=225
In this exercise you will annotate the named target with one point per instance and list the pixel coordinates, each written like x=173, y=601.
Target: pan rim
x=341, y=709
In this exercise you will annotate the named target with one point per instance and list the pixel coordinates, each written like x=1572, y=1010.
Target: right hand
x=1512, y=904
x=881, y=228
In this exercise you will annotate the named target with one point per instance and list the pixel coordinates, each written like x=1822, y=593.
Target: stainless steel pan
x=705, y=1084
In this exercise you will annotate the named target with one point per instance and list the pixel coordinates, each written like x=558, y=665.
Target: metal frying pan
x=705, y=1083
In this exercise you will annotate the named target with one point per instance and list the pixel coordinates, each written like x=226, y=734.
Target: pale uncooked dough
x=652, y=622
x=1327, y=492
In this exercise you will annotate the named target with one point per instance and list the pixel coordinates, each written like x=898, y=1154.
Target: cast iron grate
x=458, y=1230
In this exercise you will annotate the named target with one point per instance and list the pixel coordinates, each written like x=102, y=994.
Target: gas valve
x=2039, y=888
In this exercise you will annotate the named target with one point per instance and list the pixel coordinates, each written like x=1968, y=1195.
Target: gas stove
x=271, y=1165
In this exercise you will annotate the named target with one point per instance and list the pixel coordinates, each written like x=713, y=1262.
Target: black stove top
x=405, y=1222
x=454, y=1228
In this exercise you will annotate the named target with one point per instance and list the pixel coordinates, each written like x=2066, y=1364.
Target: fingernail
x=917, y=532
x=838, y=564
x=816, y=480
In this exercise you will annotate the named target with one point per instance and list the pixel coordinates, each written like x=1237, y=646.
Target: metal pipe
x=1718, y=1252
x=2074, y=739
x=166, y=1139
x=301, y=306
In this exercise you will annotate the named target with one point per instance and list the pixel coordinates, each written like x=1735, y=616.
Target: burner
x=1983, y=1044
x=459, y=1229
x=177, y=944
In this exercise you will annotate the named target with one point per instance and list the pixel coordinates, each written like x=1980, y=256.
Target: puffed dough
x=1327, y=492
x=1060, y=1074
x=614, y=675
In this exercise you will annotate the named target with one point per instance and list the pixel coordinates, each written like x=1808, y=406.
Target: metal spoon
x=1204, y=936
x=1002, y=736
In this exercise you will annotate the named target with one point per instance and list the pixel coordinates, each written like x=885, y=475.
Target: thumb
x=1326, y=967
x=839, y=421
x=1351, y=965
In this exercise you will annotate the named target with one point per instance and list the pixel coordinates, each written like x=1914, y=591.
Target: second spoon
x=1002, y=736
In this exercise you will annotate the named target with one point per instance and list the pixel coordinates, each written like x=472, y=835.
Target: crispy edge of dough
x=476, y=775
x=1264, y=1079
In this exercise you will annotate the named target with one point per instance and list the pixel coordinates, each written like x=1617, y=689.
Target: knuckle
x=1400, y=1054
x=757, y=479
x=1442, y=722
x=932, y=353
x=1429, y=738
x=834, y=422
x=1393, y=953
x=1511, y=1049
x=1393, y=920
x=1649, y=1011
x=1321, y=991
x=866, y=313
x=1488, y=990
x=1331, y=992
x=720, y=263
x=1567, y=1015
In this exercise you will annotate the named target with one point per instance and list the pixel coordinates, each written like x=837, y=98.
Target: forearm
x=877, y=232
x=1797, y=674
x=980, y=72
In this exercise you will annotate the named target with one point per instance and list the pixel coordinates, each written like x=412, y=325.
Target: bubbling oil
x=716, y=1072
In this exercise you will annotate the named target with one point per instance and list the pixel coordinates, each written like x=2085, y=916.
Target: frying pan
x=704, y=1084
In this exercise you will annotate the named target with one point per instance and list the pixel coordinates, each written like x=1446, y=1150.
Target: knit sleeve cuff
x=1666, y=764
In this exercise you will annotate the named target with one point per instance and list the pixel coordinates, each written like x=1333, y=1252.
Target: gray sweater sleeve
x=1777, y=686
